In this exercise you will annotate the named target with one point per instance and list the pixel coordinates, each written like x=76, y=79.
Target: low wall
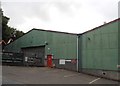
x=114, y=75
x=70, y=64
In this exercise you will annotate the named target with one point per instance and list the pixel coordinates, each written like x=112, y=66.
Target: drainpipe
x=77, y=55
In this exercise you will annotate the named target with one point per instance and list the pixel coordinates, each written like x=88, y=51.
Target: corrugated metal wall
x=61, y=45
x=100, y=48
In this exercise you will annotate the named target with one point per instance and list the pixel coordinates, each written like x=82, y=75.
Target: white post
x=77, y=55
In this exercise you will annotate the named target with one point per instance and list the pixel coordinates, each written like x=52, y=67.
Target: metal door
x=49, y=60
x=36, y=55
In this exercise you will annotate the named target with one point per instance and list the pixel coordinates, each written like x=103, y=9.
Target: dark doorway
x=34, y=56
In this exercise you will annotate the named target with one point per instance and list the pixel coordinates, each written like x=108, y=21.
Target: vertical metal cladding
x=60, y=45
x=100, y=48
x=99, y=51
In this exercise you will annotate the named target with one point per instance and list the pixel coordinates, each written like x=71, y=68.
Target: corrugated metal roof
x=100, y=26
x=55, y=31
x=69, y=33
x=46, y=31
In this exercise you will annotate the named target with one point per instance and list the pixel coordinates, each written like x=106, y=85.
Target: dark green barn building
x=94, y=52
x=41, y=43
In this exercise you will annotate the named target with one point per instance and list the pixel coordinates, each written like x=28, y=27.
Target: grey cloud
x=18, y=11
x=65, y=7
x=107, y=8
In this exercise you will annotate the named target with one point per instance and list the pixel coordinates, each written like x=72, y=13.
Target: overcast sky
x=74, y=16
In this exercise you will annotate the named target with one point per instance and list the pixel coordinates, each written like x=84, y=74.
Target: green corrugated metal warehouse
x=98, y=51
x=94, y=52
x=62, y=46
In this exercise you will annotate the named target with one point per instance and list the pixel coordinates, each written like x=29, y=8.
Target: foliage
x=7, y=31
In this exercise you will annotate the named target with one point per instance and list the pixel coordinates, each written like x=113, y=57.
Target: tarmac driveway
x=44, y=75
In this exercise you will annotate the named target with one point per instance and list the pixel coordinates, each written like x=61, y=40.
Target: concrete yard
x=44, y=75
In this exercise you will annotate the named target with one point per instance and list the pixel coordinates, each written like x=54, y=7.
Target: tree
x=7, y=31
